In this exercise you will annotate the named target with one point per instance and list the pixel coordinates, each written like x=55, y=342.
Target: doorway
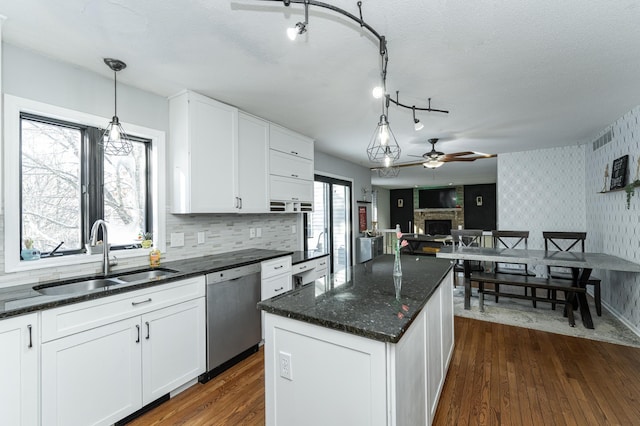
x=328, y=228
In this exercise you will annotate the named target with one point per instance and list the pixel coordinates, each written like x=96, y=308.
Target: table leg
x=579, y=280
x=467, y=284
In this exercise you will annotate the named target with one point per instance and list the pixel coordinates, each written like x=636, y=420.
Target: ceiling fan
x=434, y=159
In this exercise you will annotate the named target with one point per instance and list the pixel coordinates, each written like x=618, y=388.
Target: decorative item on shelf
x=619, y=173
x=606, y=176
x=29, y=253
x=630, y=189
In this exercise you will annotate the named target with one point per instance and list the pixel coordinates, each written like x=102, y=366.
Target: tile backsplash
x=223, y=233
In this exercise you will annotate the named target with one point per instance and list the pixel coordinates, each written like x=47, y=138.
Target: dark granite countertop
x=22, y=299
x=364, y=304
x=303, y=256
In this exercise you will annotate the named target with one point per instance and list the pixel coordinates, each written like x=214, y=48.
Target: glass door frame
x=349, y=238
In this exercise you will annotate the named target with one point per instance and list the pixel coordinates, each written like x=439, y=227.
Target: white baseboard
x=635, y=330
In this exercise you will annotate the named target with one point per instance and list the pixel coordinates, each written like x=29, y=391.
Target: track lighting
x=114, y=139
x=301, y=27
x=383, y=137
x=416, y=123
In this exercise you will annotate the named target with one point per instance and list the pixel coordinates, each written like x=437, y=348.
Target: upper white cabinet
x=19, y=345
x=227, y=161
x=204, y=154
x=291, y=170
x=253, y=154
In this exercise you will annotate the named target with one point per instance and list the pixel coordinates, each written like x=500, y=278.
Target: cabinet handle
x=138, y=339
x=278, y=267
x=295, y=198
x=294, y=153
x=148, y=329
x=240, y=199
x=323, y=263
x=30, y=336
x=279, y=289
x=295, y=176
x=303, y=267
x=140, y=303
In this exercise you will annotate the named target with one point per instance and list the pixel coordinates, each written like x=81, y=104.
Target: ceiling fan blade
x=460, y=154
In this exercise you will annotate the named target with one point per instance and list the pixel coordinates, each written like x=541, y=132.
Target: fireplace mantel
x=440, y=210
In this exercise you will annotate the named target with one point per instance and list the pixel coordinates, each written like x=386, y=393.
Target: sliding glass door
x=329, y=226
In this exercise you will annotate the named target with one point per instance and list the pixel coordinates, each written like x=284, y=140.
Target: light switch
x=252, y=232
x=177, y=239
x=259, y=232
x=293, y=229
x=200, y=237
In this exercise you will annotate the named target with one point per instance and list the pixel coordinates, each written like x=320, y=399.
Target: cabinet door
x=435, y=373
x=19, y=371
x=289, y=142
x=92, y=377
x=290, y=189
x=213, y=155
x=253, y=151
x=173, y=350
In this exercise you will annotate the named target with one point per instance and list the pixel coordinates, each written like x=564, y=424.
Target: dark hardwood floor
x=499, y=375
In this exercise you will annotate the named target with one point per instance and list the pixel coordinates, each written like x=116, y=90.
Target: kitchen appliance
x=233, y=320
x=367, y=248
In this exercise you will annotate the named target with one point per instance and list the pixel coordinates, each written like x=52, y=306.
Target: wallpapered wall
x=612, y=227
x=559, y=189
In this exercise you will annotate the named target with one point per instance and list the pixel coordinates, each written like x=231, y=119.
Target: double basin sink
x=83, y=286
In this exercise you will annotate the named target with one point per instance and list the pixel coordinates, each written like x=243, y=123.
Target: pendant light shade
x=383, y=147
x=114, y=139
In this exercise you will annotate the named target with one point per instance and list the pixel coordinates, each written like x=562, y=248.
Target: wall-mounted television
x=443, y=198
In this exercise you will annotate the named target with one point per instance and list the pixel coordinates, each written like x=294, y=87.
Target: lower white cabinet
x=19, y=370
x=102, y=374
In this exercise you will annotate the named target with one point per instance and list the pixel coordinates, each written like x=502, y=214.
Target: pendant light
x=114, y=139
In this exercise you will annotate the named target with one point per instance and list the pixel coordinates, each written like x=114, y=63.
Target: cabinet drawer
x=275, y=285
x=303, y=266
x=289, y=142
x=287, y=165
x=290, y=189
x=70, y=319
x=278, y=266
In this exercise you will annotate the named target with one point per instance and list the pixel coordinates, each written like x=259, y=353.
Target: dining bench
x=550, y=285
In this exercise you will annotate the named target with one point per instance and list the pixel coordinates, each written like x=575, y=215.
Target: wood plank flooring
x=499, y=375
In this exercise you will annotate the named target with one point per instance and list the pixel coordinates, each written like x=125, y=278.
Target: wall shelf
x=363, y=202
x=635, y=185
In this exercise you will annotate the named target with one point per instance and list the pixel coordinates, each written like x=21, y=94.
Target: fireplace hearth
x=437, y=226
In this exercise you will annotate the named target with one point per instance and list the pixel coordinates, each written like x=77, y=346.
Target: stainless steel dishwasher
x=233, y=320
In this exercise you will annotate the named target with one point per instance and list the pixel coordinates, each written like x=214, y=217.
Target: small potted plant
x=29, y=253
x=147, y=240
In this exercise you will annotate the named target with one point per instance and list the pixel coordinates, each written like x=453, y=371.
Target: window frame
x=13, y=108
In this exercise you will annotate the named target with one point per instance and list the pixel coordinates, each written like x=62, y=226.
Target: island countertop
x=364, y=302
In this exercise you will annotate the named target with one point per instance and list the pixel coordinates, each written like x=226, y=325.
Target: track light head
x=293, y=32
x=417, y=124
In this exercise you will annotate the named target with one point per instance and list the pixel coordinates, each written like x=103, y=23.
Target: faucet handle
x=113, y=261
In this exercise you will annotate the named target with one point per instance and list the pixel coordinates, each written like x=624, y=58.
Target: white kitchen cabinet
x=204, y=154
x=104, y=359
x=173, y=348
x=92, y=378
x=276, y=279
x=19, y=346
x=253, y=156
x=290, y=170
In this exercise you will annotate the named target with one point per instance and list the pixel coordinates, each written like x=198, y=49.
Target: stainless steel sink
x=150, y=275
x=103, y=283
x=78, y=287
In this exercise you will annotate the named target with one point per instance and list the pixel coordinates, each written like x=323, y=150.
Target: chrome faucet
x=106, y=263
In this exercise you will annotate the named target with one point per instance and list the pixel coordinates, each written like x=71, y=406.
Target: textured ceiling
x=516, y=75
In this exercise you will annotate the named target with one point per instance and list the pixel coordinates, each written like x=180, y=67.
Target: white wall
x=542, y=190
x=611, y=227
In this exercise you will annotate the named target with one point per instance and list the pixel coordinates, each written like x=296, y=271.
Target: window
x=67, y=183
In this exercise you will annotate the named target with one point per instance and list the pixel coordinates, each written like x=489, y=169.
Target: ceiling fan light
x=432, y=164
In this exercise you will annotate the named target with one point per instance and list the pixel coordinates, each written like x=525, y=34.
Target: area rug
x=521, y=313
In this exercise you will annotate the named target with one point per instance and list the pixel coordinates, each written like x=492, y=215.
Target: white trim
x=616, y=314
x=13, y=106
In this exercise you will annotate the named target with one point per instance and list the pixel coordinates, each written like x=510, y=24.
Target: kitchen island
x=345, y=352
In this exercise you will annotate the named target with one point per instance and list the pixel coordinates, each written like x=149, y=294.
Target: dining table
x=580, y=263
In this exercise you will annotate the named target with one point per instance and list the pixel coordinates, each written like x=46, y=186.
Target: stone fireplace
x=439, y=219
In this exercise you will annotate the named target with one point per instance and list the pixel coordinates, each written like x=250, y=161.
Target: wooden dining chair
x=512, y=240
x=465, y=238
x=570, y=241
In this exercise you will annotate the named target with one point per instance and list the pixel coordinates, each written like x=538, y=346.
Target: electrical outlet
x=293, y=229
x=285, y=366
x=200, y=237
x=177, y=239
x=252, y=232
x=259, y=232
